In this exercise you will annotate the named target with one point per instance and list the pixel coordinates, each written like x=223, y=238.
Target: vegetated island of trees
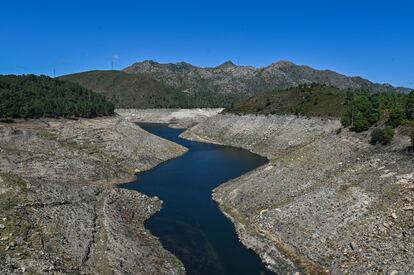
x=31, y=96
x=359, y=110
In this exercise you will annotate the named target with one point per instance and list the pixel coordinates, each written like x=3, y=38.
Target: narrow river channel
x=190, y=224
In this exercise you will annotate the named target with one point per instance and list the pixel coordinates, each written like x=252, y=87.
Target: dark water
x=190, y=225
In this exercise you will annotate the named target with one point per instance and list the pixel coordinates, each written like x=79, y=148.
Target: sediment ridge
x=327, y=202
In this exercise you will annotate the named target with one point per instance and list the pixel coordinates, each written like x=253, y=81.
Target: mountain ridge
x=149, y=84
x=279, y=75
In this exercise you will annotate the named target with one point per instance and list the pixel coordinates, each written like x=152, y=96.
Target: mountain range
x=151, y=84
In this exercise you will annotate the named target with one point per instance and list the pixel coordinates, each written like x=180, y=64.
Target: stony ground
x=327, y=202
x=178, y=118
x=59, y=211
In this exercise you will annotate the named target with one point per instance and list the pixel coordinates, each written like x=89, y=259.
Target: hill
x=310, y=100
x=143, y=91
x=31, y=96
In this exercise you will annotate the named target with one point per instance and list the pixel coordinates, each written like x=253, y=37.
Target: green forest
x=365, y=109
x=386, y=111
x=31, y=96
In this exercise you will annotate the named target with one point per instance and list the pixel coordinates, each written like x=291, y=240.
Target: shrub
x=382, y=136
x=360, y=122
x=388, y=134
x=376, y=136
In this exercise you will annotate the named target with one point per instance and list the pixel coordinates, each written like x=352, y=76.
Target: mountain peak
x=184, y=64
x=227, y=64
x=149, y=62
x=283, y=63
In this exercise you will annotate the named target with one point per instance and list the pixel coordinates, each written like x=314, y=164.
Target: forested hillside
x=31, y=96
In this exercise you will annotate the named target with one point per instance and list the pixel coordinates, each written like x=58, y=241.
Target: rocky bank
x=60, y=212
x=327, y=202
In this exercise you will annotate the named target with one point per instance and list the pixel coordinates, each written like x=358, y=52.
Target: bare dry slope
x=59, y=209
x=326, y=202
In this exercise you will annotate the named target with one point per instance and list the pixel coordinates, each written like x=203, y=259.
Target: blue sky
x=373, y=39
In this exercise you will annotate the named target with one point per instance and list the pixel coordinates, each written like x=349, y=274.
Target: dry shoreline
x=175, y=118
x=61, y=209
x=327, y=201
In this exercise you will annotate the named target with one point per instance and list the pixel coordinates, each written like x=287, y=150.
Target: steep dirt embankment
x=327, y=201
x=59, y=209
x=178, y=118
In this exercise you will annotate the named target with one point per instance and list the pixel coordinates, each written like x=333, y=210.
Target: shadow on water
x=190, y=225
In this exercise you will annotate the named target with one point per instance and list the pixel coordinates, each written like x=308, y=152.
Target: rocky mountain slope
x=327, y=202
x=59, y=210
x=248, y=80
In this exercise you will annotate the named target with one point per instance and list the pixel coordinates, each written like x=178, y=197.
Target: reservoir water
x=190, y=224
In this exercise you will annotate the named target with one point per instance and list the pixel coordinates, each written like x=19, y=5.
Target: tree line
x=384, y=110
x=31, y=96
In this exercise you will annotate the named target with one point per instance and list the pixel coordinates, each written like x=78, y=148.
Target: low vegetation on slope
x=143, y=91
x=309, y=100
x=30, y=96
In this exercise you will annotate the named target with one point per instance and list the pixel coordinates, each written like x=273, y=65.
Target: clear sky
x=373, y=39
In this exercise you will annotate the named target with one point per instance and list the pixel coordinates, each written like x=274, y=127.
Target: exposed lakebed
x=190, y=224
